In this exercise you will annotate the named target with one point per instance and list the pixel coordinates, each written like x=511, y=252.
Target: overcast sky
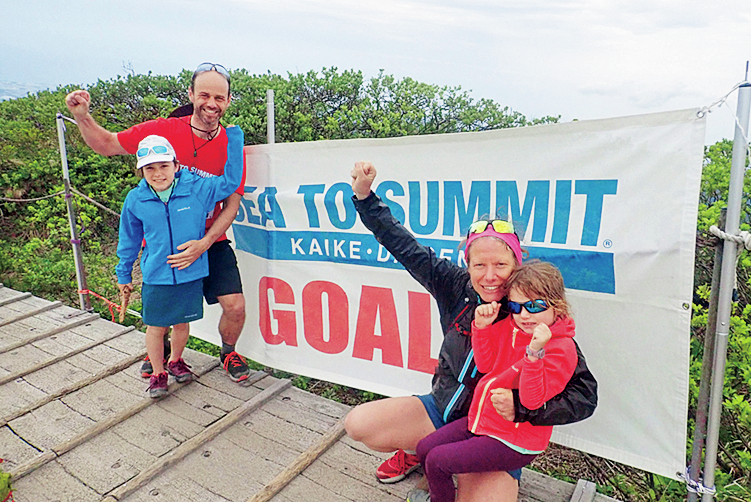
x=580, y=59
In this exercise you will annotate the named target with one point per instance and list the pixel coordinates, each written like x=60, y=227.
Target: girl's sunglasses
x=158, y=150
x=532, y=306
x=500, y=226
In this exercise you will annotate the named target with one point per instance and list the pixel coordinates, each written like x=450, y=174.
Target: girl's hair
x=541, y=280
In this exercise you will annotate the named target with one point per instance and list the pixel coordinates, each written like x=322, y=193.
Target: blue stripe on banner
x=583, y=270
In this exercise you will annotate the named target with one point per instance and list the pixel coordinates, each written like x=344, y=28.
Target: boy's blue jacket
x=183, y=218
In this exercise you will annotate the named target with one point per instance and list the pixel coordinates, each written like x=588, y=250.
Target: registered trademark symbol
x=607, y=243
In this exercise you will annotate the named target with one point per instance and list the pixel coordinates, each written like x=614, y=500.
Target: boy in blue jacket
x=167, y=208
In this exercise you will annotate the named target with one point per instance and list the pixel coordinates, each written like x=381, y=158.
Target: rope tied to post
x=695, y=486
x=112, y=305
x=742, y=239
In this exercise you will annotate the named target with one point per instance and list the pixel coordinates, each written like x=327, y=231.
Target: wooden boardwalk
x=77, y=425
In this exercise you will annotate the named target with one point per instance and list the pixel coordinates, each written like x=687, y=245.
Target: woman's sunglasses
x=158, y=149
x=532, y=306
x=500, y=226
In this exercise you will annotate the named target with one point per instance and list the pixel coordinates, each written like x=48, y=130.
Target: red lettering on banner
x=312, y=311
x=418, y=356
x=283, y=294
x=377, y=302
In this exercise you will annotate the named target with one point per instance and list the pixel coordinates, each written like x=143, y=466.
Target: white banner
x=613, y=203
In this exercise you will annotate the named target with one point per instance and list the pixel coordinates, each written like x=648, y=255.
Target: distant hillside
x=12, y=90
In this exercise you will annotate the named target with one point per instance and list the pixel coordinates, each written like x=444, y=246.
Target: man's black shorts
x=224, y=276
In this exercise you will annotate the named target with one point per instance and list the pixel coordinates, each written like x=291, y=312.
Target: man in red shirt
x=200, y=143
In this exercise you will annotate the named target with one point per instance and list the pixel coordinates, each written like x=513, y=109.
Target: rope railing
x=85, y=197
x=113, y=307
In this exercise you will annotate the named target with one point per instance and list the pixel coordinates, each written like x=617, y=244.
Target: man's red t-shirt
x=205, y=158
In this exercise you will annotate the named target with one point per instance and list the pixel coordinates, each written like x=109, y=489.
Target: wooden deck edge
x=300, y=463
x=536, y=486
x=195, y=442
x=584, y=491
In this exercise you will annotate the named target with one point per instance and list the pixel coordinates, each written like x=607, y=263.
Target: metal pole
x=270, y=125
x=74, y=240
x=700, y=426
x=727, y=281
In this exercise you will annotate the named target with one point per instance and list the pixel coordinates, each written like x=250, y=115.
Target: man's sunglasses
x=204, y=67
x=532, y=306
x=158, y=149
x=500, y=226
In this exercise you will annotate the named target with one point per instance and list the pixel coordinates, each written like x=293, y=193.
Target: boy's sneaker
x=417, y=495
x=180, y=370
x=397, y=467
x=235, y=366
x=158, y=385
x=147, y=369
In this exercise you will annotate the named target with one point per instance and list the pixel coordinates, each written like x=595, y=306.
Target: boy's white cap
x=154, y=149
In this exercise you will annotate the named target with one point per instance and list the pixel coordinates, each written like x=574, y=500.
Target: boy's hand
x=485, y=314
x=363, y=175
x=540, y=336
x=125, y=290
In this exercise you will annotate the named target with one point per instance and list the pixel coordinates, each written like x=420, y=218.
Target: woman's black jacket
x=456, y=375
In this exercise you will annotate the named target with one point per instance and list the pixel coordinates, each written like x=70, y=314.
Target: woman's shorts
x=428, y=401
x=165, y=306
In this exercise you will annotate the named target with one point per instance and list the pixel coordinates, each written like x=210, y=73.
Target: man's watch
x=539, y=354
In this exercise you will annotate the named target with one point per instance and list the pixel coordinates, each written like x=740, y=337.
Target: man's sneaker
x=158, y=385
x=397, y=467
x=417, y=495
x=180, y=370
x=147, y=369
x=235, y=366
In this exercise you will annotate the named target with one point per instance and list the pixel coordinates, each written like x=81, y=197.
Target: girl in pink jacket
x=531, y=350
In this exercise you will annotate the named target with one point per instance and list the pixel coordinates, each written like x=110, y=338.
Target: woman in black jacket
x=399, y=423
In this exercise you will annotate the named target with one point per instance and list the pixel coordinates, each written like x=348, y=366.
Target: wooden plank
x=192, y=444
x=125, y=363
x=47, y=334
x=300, y=464
x=26, y=468
x=31, y=313
x=535, y=486
x=22, y=470
x=44, y=364
x=14, y=299
x=584, y=491
x=118, y=418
